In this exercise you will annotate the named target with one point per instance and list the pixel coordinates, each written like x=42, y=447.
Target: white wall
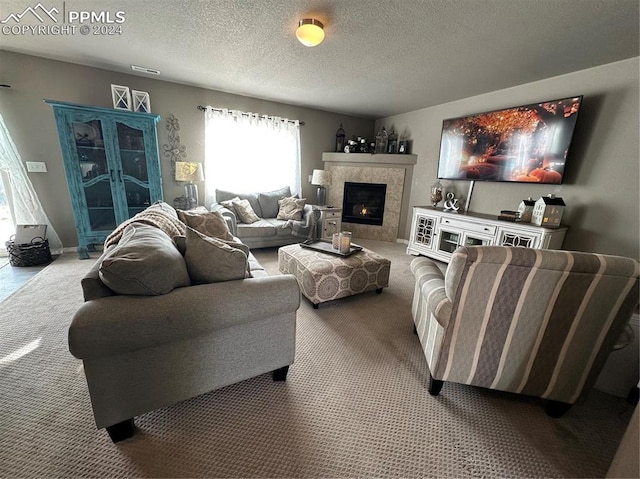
x=602, y=173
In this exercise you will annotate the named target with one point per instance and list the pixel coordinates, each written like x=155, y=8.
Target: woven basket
x=29, y=254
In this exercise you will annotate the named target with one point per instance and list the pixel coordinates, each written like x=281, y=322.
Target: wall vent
x=150, y=71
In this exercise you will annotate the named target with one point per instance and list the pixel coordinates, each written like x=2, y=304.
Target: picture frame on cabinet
x=141, y=101
x=121, y=97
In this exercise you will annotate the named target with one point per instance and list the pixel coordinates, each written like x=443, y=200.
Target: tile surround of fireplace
x=395, y=171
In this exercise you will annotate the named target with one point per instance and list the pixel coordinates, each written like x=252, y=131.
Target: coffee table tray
x=326, y=246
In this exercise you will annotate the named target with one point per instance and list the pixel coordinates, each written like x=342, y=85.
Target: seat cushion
x=144, y=262
x=281, y=227
x=260, y=228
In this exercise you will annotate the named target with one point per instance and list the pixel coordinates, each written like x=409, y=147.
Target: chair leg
x=556, y=408
x=435, y=385
x=122, y=430
x=281, y=374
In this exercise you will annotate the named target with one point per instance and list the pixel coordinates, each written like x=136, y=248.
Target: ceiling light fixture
x=310, y=32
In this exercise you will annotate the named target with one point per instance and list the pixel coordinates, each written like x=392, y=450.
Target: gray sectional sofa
x=269, y=231
x=175, y=337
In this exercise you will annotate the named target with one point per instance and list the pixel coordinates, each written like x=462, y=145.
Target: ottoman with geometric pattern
x=323, y=277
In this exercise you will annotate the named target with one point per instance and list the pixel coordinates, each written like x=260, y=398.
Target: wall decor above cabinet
x=112, y=166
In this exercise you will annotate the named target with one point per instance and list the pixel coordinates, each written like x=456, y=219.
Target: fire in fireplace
x=363, y=203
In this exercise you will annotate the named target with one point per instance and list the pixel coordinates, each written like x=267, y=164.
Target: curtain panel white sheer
x=246, y=152
x=26, y=205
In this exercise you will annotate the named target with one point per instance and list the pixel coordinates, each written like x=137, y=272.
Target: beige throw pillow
x=210, y=260
x=210, y=223
x=228, y=204
x=291, y=208
x=245, y=211
x=144, y=262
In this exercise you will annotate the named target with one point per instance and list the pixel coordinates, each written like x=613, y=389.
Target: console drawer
x=467, y=225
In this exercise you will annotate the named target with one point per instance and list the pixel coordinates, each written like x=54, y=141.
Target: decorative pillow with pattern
x=245, y=212
x=210, y=260
x=210, y=223
x=291, y=208
x=228, y=204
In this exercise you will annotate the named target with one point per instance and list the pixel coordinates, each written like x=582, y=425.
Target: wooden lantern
x=547, y=211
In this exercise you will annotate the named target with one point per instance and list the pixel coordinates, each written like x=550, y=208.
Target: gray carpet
x=354, y=405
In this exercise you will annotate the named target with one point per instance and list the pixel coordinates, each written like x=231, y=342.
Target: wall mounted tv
x=526, y=143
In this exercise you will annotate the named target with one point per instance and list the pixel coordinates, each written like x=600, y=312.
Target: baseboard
x=403, y=241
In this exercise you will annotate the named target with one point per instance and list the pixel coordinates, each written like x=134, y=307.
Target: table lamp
x=321, y=179
x=190, y=172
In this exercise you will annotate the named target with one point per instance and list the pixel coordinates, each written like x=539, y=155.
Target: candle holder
x=345, y=242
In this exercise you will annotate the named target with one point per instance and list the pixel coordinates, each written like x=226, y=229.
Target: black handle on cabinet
x=120, y=175
x=111, y=175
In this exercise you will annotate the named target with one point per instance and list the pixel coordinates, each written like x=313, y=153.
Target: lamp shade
x=310, y=32
x=186, y=171
x=321, y=178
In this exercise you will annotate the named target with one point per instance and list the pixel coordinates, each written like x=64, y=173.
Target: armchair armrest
x=431, y=282
x=229, y=215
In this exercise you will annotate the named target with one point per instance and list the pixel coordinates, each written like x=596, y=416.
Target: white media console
x=436, y=233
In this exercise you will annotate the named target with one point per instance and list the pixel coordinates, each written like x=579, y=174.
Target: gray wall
x=31, y=124
x=602, y=173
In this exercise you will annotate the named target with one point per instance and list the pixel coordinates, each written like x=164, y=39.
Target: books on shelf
x=509, y=215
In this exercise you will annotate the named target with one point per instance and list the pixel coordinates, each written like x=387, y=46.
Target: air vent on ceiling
x=150, y=71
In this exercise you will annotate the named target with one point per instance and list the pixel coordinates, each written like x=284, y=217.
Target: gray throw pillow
x=210, y=260
x=144, y=262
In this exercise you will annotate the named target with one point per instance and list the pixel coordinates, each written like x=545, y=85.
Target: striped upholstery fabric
x=534, y=322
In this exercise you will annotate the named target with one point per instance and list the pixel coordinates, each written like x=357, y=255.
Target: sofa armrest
x=118, y=324
x=431, y=282
x=229, y=215
x=310, y=216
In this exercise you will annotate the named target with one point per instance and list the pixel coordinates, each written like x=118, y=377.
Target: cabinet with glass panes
x=112, y=167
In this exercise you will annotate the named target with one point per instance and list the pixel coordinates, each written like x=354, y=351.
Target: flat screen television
x=526, y=143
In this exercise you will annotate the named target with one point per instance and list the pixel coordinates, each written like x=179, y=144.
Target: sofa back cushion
x=252, y=198
x=144, y=262
x=210, y=260
x=269, y=201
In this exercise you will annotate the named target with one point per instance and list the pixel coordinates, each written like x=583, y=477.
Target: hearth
x=363, y=203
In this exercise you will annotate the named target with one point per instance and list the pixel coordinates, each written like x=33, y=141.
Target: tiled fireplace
x=373, y=173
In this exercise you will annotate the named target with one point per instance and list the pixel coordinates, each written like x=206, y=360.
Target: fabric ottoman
x=323, y=277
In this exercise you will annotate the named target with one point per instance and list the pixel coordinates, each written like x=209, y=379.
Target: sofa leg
x=556, y=408
x=122, y=430
x=435, y=385
x=281, y=374
x=379, y=291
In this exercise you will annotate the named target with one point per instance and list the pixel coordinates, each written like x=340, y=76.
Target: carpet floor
x=355, y=404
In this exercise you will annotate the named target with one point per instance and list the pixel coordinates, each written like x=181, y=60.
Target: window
x=246, y=152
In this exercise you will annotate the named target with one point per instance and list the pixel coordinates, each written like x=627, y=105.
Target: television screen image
x=527, y=143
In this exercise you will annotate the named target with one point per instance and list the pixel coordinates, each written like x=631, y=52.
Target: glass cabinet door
x=134, y=168
x=95, y=173
x=449, y=241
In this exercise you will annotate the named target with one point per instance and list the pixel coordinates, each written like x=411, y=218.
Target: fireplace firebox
x=363, y=203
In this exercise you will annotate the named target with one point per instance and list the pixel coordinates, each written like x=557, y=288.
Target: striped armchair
x=535, y=322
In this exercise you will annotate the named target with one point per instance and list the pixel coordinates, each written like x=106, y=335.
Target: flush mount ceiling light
x=310, y=32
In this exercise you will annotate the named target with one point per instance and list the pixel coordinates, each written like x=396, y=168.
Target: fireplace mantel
x=377, y=158
x=396, y=171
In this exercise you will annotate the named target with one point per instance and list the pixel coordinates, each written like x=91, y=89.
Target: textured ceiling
x=379, y=57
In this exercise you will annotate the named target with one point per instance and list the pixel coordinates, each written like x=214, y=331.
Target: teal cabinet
x=112, y=166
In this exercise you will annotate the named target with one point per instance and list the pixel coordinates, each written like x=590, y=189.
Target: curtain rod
x=204, y=108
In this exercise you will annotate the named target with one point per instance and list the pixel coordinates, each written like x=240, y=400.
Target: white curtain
x=245, y=152
x=26, y=205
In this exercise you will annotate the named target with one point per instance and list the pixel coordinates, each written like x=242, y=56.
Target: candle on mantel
x=345, y=242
